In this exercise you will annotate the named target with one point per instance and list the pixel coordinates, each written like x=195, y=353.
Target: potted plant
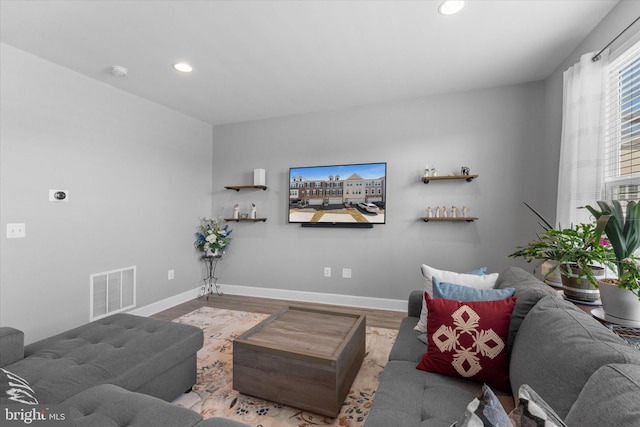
x=577, y=252
x=551, y=275
x=621, y=295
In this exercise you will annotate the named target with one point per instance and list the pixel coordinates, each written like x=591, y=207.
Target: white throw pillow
x=486, y=281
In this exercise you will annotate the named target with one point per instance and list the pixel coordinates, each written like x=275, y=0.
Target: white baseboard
x=302, y=296
x=166, y=303
x=322, y=298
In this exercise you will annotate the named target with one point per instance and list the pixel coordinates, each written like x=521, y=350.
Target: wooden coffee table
x=301, y=357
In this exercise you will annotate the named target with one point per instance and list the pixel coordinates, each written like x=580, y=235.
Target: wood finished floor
x=378, y=318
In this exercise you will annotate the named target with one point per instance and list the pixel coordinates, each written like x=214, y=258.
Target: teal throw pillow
x=468, y=294
x=478, y=272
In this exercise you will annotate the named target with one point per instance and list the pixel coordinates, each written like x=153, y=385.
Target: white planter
x=621, y=306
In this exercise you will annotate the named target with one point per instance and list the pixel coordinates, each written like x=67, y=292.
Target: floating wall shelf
x=246, y=219
x=467, y=178
x=246, y=187
x=467, y=219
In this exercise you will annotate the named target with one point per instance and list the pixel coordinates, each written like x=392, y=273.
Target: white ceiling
x=259, y=59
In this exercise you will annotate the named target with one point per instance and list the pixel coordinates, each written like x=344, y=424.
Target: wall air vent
x=112, y=292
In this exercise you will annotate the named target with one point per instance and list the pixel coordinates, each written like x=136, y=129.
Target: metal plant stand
x=210, y=281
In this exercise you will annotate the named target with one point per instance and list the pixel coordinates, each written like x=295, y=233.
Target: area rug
x=213, y=394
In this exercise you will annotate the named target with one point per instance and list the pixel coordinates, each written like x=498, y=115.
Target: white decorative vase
x=621, y=306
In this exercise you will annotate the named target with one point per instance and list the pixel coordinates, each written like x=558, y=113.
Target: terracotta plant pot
x=620, y=306
x=579, y=288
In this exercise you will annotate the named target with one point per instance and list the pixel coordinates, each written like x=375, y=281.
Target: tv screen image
x=353, y=194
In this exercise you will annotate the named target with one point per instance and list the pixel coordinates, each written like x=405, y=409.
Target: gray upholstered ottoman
x=151, y=356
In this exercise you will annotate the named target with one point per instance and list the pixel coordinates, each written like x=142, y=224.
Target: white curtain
x=582, y=150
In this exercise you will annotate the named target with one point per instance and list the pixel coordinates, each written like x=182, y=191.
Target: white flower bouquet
x=211, y=237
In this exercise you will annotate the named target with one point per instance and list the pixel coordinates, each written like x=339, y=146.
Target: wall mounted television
x=351, y=195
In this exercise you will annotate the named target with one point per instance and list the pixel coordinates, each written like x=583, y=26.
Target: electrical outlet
x=346, y=273
x=327, y=272
x=16, y=231
x=171, y=274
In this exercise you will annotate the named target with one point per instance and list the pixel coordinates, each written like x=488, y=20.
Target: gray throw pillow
x=528, y=291
x=609, y=398
x=572, y=346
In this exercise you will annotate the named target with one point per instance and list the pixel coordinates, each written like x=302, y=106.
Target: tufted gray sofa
x=116, y=371
x=587, y=374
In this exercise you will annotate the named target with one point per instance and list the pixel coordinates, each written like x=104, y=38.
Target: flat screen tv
x=352, y=195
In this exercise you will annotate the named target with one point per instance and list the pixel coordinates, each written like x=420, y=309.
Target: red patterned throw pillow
x=469, y=339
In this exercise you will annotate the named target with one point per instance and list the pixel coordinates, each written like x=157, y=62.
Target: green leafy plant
x=630, y=275
x=546, y=225
x=580, y=245
x=623, y=233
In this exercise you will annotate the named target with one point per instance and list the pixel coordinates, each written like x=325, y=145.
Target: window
x=622, y=127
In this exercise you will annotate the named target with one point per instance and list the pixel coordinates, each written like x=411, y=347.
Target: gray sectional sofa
x=120, y=370
x=587, y=374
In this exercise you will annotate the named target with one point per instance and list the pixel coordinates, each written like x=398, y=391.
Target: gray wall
x=139, y=176
x=617, y=20
x=499, y=133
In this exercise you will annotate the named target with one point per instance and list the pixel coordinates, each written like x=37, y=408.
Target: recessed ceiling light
x=183, y=66
x=449, y=7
